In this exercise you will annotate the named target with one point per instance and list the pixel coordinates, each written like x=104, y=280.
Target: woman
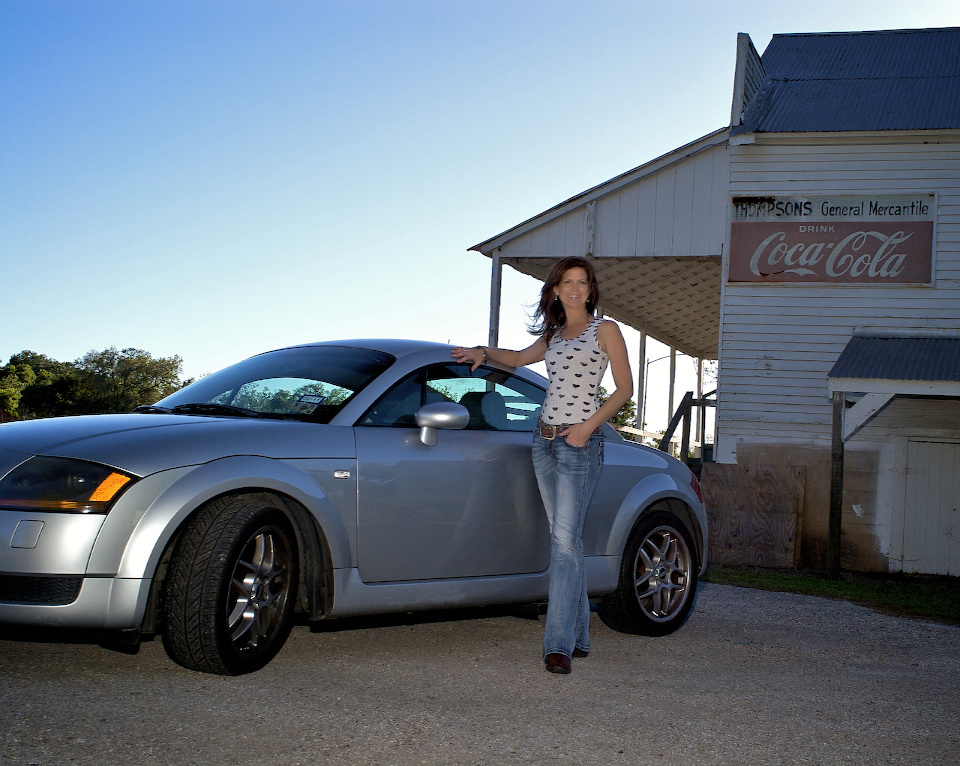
x=568, y=443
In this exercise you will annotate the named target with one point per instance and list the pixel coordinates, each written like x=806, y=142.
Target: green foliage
x=119, y=381
x=925, y=596
x=13, y=379
x=627, y=416
x=33, y=385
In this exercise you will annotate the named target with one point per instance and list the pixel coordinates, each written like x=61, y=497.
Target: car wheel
x=231, y=587
x=658, y=579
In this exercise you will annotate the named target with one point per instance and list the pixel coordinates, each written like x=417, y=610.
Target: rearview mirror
x=448, y=415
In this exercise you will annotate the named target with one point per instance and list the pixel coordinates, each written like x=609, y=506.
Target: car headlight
x=62, y=485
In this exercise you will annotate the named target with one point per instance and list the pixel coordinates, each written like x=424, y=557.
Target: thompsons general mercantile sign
x=857, y=239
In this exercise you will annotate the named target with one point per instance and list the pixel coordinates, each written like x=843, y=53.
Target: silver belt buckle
x=548, y=431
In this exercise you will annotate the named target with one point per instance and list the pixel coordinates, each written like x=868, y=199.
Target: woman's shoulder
x=606, y=326
x=608, y=331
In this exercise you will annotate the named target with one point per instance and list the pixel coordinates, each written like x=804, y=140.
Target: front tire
x=658, y=579
x=231, y=588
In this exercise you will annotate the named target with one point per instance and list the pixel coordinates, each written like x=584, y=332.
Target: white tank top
x=574, y=368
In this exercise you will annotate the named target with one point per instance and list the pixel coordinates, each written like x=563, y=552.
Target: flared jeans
x=567, y=477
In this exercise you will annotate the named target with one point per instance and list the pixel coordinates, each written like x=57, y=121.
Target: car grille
x=30, y=589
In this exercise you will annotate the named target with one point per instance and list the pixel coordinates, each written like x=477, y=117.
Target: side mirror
x=449, y=415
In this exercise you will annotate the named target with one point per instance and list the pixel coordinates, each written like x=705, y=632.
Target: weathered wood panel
x=754, y=513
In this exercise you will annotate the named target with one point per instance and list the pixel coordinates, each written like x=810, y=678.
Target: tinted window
x=495, y=399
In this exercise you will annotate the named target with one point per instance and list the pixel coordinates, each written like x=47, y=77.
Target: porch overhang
x=883, y=365
x=655, y=236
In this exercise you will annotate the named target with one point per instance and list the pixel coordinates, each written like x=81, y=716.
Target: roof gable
x=858, y=81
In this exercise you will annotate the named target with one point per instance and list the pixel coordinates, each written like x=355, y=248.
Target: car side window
x=398, y=407
x=496, y=400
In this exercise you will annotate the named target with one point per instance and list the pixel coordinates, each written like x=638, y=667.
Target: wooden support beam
x=836, y=487
x=868, y=406
x=496, y=287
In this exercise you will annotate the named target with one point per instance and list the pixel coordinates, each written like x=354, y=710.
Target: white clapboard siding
x=778, y=342
x=648, y=216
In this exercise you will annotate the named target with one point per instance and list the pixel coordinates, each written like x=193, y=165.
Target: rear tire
x=658, y=578
x=231, y=588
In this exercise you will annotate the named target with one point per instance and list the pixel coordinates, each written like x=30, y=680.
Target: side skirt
x=353, y=597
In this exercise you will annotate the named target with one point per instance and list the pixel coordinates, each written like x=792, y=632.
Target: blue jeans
x=567, y=477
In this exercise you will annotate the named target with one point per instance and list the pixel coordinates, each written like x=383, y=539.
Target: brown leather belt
x=549, y=431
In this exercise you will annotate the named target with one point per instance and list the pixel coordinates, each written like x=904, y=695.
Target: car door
x=466, y=507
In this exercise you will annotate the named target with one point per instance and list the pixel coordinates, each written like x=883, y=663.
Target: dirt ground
x=753, y=678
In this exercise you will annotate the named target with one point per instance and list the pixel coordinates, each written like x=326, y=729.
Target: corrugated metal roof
x=845, y=81
x=899, y=358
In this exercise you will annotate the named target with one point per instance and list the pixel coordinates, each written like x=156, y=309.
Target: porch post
x=496, y=287
x=641, y=379
x=673, y=382
x=836, y=487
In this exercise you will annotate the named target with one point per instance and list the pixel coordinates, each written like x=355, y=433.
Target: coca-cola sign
x=882, y=239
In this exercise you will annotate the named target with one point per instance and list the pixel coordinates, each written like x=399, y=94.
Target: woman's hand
x=472, y=356
x=578, y=435
x=479, y=354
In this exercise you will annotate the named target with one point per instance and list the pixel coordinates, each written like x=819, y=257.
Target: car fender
x=645, y=493
x=131, y=544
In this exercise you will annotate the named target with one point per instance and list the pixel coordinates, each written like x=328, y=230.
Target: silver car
x=322, y=481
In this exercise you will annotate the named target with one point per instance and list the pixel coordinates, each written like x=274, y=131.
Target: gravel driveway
x=753, y=678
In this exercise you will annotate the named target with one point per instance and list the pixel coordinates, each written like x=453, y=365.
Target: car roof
x=396, y=346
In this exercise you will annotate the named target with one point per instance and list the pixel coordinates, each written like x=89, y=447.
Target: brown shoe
x=580, y=653
x=558, y=663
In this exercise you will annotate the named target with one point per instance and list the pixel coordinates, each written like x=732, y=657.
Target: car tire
x=231, y=587
x=658, y=578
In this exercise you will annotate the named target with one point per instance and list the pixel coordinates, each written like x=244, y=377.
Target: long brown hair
x=550, y=315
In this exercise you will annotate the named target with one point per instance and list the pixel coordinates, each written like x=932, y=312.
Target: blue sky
x=217, y=178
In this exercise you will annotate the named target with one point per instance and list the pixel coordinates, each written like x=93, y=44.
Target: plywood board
x=754, y=513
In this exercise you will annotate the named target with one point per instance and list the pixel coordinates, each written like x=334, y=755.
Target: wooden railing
x=684, y=414
x=667, y=441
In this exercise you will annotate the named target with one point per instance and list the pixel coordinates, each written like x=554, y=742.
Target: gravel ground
x=753, y=678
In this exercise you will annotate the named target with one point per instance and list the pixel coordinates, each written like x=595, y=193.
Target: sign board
x=870, y=239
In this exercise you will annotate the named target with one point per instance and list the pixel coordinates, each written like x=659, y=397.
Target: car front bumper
x=44, y=579
x=104, y=603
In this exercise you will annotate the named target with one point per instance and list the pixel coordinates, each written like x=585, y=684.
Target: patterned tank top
x=575, y=368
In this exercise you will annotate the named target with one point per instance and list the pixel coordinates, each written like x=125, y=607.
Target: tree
x=120, y=381
x=51, y=390
x=23, y=380
x=13, y=379
x=627, y=416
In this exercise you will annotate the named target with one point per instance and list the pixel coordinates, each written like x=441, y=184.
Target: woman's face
x=574, y=288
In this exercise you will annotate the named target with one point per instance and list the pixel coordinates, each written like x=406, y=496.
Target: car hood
x=146, y=443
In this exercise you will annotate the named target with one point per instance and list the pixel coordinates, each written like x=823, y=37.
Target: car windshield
x=306, y=383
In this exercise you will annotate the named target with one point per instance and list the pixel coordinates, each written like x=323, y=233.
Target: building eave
x=677, y=155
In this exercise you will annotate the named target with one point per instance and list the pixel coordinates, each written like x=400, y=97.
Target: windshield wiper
x=211, y=408
x=152, y=409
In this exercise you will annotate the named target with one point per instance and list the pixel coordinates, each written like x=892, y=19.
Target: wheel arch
x=658, y=492
x=144, y=551
x=315, y=577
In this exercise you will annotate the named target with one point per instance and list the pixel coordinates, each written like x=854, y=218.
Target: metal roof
x=899, y=359
x=858, y=81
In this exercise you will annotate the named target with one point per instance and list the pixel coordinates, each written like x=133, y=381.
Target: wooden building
x=813, y=247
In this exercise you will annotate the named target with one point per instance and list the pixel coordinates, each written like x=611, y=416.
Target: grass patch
x=922, y=596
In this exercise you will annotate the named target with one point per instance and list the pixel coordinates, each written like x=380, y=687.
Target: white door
x=931, y=519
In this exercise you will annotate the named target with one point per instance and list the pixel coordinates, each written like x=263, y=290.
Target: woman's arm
x=611, y=341
x=475, y=356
